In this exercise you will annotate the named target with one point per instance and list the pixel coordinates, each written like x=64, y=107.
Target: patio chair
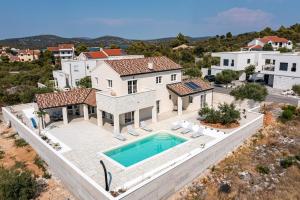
x=187, y=127
x=143, y=126
x=131, y=131
x=119, y=137
x=176, y=125
x=197, y=131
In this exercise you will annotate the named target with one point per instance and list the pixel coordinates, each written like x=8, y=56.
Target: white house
x=237, y=61
x=275, y=41
x=73, y=70
x=281, y=71
x=63, y=51
x=130, y=90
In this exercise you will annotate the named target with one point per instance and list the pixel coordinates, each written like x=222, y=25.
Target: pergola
x=79, y=96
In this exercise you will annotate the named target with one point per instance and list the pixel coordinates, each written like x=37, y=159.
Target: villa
x=276, y=42
x=63, y=51
x=72, y=70
x=273, y=67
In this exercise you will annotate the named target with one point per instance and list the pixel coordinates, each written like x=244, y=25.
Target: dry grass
x=266, y=148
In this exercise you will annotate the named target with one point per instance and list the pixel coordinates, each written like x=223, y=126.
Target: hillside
x=43, y=41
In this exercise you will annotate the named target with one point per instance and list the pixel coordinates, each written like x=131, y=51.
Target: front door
x=129, y=117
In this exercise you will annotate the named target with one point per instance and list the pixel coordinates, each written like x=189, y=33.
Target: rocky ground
x=25, y=156
x=267, y=166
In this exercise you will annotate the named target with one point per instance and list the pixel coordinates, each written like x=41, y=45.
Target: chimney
x=150, y=65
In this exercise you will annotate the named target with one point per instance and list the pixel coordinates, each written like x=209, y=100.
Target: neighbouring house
x=27, y=55
x=73, y=70
x=183, y=46
x=277, y=42
x=127, y=91
x=279, y=70
x=63, y=51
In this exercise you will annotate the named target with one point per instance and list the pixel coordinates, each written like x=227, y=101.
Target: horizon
x=144, y=20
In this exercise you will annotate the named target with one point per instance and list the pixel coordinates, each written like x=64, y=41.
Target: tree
x=229, y=35
x=4, y=59
x=187, y=56
x=17, y=184
x=81, y=48
x=114, y=46
x=296, y=89
x=193, y=72
x=251, y=91
x=41, y=114
x=181, y=39
x=268, y=47
x=284, y=50
x=249, y=71
x=227, y=76
x=85, y=82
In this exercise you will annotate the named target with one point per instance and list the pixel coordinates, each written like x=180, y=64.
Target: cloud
x=242, y=17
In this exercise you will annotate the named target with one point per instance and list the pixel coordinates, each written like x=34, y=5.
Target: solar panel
x=192, y=85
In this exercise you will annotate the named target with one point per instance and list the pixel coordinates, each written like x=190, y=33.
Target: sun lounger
x=197, y=131
x=176, y=125
x=143, y=126
x=119, y=137
x=131, y=131
x=187, y=127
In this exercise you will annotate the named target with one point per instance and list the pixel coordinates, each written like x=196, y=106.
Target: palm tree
x=41, y=114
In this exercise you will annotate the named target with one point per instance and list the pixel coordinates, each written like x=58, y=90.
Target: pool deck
x=86, y=142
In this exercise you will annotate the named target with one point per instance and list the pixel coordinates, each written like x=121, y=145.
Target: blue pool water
x=135, y=152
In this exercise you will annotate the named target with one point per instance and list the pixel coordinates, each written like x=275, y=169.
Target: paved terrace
x=85, y=140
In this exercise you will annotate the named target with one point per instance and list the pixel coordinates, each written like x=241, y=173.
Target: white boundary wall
x=81, y=186
x=168, y=181
x=160, y=186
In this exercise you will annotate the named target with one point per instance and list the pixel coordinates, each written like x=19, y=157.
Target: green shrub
x=2, y=153
x=20, y=142
x=40, y=163
x=47, y=175
x=287, y=162
x=16, y=184
x=262, y=169
x=252, y=91
x=296, y=89
x=20, y=165
x=227, y=76
x=287, y=115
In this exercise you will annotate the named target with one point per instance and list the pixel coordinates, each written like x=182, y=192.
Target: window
x=225, y=62
x=248, y=61
x=76, y=68
x=109, y=83
x=190, y=99
x=170, y=96
x=283, y=66
x=173, y=77
x=158, y=79
x=77, y=82
x=129, y=117
x=157, y=106
x=294, y=67
x=87, y=67
x=132, y=86
x=268, y=61
x=96, y=79
x=273, y=62
x=203, y=100
x=232, y=63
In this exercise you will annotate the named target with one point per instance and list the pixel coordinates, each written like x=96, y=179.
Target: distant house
x=183, y=46
x=27, y=55
x=277, y=42
x=63, y=51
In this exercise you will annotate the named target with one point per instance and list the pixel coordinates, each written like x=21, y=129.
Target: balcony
x=107, y=102
x=268, y=67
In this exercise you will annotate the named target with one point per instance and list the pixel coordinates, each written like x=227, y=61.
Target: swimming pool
x=135, y=152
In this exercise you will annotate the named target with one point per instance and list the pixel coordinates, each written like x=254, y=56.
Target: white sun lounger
x=187, y=127
x=197, y=131
x=176, y=125
x=119, y=137
x=143, y=126
x=131, y=131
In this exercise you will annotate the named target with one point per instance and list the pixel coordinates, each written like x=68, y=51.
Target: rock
x=225, y=187
x=257, y=188
x=244, y=175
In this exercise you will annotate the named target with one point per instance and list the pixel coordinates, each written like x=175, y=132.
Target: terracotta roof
x=95, y=55
x=72, y=97
x=273, y=39
x=66, y=46
x=254, y=47
x=127, y=67
x=113, y=52
x=52, y=48
x=28, y=51
x=183, y=88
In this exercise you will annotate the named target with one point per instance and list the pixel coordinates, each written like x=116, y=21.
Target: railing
x=268, y=67
x=125, y=103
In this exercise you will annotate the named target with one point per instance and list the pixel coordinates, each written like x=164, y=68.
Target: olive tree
x=251, y=91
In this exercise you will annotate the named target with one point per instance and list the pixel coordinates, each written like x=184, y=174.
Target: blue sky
x=143, y=19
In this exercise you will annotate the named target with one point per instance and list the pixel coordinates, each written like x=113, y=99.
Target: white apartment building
x=63, y=51
x=276, y=42
x=73, y=70
x=280, y=70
